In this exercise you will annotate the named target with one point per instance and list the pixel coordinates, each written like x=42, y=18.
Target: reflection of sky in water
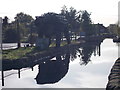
x=93, y=75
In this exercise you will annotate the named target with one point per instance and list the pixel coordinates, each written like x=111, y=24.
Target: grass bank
x=14, y=54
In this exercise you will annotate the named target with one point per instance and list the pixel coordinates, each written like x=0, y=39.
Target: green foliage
x=24, y=21
x=86, y=23
x=10, y=36
x=49, y=24
x=10, y=30
x=5, y=21
x=16, y=53
x=73, y=18
x=9, y=33
x=23, y=18
x=52, y=25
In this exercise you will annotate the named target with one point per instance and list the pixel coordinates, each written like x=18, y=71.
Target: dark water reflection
x=87, y=50
x=53, y=70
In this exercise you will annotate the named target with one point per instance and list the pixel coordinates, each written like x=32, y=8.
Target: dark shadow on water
x=53, y=70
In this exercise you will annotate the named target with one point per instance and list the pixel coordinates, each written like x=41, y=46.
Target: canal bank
x=114, y=77
x=31, y=59
x=87, y=71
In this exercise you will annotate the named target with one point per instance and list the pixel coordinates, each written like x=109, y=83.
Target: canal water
x=87, y=66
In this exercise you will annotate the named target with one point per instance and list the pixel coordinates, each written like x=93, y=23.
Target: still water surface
x=87, y=68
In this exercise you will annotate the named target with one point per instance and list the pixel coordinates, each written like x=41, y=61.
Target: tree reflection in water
x=87, y=50
x=52, y=71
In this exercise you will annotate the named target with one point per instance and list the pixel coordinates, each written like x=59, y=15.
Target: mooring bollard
x=18, y=73
x=2, y=78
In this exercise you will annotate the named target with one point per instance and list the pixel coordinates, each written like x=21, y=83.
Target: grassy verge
x=16, y=53
x=24, y=51
x=54, y=44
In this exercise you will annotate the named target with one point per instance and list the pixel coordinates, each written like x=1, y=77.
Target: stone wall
x=114, y=77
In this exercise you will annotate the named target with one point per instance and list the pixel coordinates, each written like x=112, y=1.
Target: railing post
x=2, y=78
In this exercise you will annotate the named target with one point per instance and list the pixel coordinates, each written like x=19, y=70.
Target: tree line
x=67, y=23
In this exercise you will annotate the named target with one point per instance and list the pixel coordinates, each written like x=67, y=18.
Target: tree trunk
x=67, y=35
x=58, y=39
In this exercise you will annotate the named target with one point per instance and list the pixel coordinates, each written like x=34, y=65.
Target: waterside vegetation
x=49, y=30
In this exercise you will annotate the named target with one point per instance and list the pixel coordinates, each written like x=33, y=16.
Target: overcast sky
x=102, y=11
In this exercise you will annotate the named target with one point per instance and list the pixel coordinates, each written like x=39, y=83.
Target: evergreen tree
x=86, y=23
